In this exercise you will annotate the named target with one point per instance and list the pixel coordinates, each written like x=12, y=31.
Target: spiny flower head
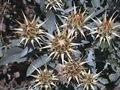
x=45, y=78
x=105, y=29
x=61, y=44
x=73, y=70
x=89, y=80
x=54, y=4
x=30, y=31
x=77, y=20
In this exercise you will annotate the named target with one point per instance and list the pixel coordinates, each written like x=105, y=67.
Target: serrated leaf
x=50, y=23
x=66, y=11
x=12, y=51
x=101, y=86
x=61, y=19
x=1, y=53
x=19, y=88
x=38, y=1
x=90, y=58
x=103, y=80
x=114, y=77
x=85, y=42
x=52, y=65
x=12, y=58
x=29, y=0
x=118, y=53
x=82, y=1
x=68, y=3
x=96, y=4
x=27, y=50
x=37, y=63
x=118, y=83
x=42, y=5
x=76, y=54
x=15, y=42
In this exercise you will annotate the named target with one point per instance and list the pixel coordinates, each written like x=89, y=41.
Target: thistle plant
x=89, y=80
x=45, y=78
x=77, y=20
x=73, y=70
x=56, y=44
x=30, y=31
x=105, y=29
x=61, y=44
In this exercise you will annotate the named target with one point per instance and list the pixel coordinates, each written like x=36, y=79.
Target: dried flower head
x=30, y=31
x=105, y=29
x=73, y=70
x=54, y=4
x=61, y=44
x=89, y=80
x=77, y=20
x=45, y=78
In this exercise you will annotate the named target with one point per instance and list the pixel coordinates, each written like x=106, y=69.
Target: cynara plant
x=66, y=43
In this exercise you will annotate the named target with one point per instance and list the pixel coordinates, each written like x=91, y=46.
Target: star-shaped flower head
x=61, y=44
x=77, y=20
x=105, y=30
x=53, y=4
x=30, y=31
x=73, y=70
x=45, y=78
x=89, y=80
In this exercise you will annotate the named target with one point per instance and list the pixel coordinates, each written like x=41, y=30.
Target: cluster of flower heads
x=31, y=31
x=67, y=72
x=61, y=45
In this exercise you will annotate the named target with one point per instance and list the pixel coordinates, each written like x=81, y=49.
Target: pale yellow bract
x=61, y=44
x=30, y=31
x=77, y=20
x=73, y=70
x=89, y=80
x=105, y=29
x=44, y=79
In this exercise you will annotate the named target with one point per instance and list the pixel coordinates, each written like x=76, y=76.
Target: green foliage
x=37, y=63
x=12, y=55
x=98, y=56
